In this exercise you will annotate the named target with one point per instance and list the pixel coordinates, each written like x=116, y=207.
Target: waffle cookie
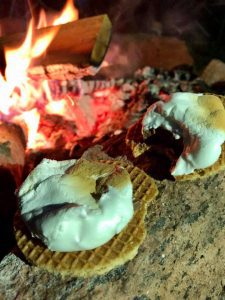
x=120, y=249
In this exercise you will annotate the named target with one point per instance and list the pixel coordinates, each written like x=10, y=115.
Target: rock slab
x=182, y=257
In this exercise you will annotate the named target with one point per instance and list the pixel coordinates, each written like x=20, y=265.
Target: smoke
x=123, y=57
x=200, y=23
x=175, y=18
x=135, y=21
x=164, y=17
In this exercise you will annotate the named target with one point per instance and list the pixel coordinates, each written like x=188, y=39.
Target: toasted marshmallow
x=73, y=206
x=199, y=119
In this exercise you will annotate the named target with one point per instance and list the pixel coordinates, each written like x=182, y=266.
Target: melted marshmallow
x=199, y=119
x=58, y=207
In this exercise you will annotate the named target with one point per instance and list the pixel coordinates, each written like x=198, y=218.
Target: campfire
x=33, y=95
x=51, y=103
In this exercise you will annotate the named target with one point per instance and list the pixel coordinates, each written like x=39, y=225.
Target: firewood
x=12, y=150
x=77, y=45
x=61, y=72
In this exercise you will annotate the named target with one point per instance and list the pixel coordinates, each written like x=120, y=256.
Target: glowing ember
x=56, y=107
x=102, y=93
x=20, y=97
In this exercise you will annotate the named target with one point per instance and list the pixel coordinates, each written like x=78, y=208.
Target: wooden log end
x=102, y=42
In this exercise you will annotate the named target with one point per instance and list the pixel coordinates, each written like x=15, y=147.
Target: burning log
x=76, y=50
x=12, y=150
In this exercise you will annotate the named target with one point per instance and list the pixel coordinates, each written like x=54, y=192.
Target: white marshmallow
x=199, y=119
x=63, y=213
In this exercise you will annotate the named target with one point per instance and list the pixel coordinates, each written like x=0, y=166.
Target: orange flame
x=69, y=13
x=42, y=22
x=18, y=92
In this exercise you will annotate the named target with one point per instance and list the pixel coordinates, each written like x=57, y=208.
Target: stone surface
x=183, y=256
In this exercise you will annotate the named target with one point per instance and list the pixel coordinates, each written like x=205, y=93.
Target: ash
x=100, y=107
